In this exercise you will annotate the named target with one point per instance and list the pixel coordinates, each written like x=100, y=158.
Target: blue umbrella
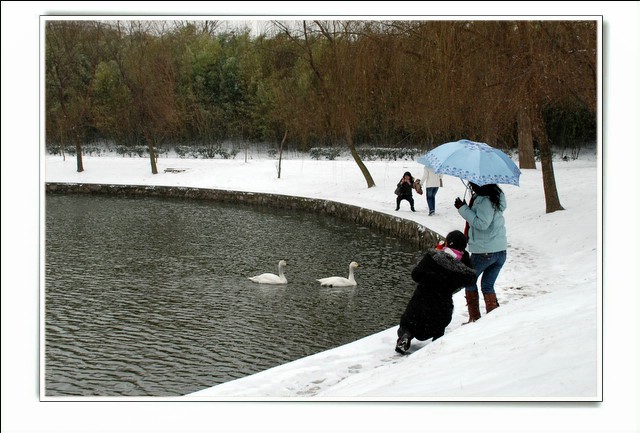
x=472, y=161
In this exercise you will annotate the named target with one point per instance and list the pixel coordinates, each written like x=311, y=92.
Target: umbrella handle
x=466, y=188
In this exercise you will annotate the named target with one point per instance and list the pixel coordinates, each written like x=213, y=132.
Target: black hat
x=456, y=240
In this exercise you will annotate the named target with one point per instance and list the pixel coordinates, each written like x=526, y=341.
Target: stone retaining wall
x=407, y=230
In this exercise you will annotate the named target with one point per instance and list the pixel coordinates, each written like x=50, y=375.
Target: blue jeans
x=489, y=265
x=431, y=197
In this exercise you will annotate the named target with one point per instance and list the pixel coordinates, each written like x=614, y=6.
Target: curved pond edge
x=407, y=230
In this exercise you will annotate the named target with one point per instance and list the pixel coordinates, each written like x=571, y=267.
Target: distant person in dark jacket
x=441, y=273
x=404, y=190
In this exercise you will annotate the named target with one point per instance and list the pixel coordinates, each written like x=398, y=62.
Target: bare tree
x=532, y=66
x=280, y=155
x=207, y=27
x=71, y=60
x=331, y=77
x=560, y=66
x=342, y=81
x=146, y=69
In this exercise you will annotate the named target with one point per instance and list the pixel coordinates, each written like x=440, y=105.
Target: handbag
x=397, y=191
x=418, y=187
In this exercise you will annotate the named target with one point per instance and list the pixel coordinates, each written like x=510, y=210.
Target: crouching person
x=441, y=273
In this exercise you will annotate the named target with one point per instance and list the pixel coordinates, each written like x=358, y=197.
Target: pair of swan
x=268, y=278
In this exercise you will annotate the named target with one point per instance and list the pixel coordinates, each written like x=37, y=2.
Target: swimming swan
x=340, y=281
x=272, y=278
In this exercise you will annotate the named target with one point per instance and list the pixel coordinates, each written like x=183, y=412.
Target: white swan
x=272, y=278
x=340, y=281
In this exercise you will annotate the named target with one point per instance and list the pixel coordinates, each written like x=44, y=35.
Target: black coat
x=429, y=311
x=406, y=189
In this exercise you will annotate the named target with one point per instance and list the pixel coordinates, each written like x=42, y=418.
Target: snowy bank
x=543, y=343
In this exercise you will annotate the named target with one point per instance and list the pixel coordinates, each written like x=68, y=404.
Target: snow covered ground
x=542, y=344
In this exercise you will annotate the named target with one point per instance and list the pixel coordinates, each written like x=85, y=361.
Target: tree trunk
x=154, y=166
x=281, y=148
x=356, y=157
x=525, y=140
x=62, y=147
x=548, y=177
x=152, y=153
x=79, y=165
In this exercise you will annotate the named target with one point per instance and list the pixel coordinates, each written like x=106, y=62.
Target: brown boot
x=473, y=305
x=490, y=301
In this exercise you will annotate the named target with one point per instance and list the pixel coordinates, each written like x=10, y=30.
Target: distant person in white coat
x=431, y=182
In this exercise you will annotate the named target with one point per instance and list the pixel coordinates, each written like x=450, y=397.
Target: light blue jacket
x=487, y=233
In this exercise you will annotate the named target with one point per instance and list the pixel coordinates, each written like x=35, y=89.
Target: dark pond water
x=150, y=297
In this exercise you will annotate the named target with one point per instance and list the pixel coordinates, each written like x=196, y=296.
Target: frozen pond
x=150, y=297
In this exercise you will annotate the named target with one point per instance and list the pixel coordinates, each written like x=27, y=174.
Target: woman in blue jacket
x=487, y=242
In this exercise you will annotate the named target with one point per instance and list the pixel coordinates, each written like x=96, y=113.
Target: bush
x=569, y=126
x=367, y=153
x=135, y=150
x=388, y=154
x=329, y=153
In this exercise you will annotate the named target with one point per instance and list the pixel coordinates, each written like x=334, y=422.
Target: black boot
x=403, y=343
